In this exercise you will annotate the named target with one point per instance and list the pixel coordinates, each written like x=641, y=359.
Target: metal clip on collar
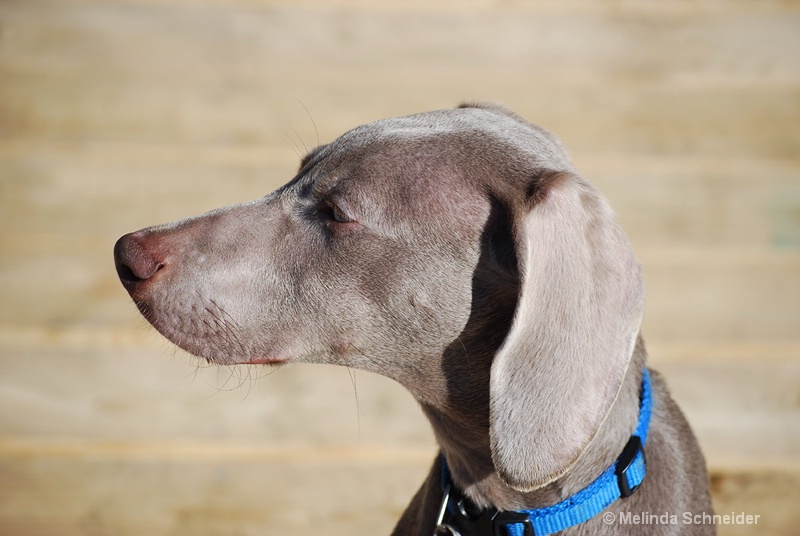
x=490, y=521
x=442, y=528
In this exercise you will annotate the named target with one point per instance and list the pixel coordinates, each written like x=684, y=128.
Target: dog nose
x=135, y=263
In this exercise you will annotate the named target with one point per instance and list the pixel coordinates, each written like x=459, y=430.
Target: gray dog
x=459, y=253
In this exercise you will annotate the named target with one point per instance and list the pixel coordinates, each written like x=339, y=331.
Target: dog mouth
x=227, y=359
x=215, y=352
x=266, y=361
x=208, y=332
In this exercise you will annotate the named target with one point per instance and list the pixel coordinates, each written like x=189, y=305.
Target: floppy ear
x=578, y=314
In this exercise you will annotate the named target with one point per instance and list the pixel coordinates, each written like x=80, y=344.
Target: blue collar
x=618, y=481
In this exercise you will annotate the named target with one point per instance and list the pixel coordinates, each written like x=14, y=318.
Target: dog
x=459, y=253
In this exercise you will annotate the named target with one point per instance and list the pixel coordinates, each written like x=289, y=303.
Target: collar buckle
x=629, y=455
x=492, y=521
x=463, y=514
x=502, y=519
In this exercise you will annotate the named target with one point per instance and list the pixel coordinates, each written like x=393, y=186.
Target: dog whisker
x=466, y=356
x=352, y=373
x=230, y=327
x=316, y=130
x=296, y=148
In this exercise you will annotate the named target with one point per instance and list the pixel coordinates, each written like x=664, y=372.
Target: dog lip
x=264, y=360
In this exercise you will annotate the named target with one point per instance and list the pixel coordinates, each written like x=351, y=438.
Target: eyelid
x=337, y=213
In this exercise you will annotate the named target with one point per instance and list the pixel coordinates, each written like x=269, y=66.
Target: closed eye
x=339, y=216
x=335, y=213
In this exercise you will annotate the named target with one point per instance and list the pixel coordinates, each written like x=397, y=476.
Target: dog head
x=400, y=240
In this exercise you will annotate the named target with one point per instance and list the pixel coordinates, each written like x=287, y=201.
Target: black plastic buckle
x=503, y=519
x=492, y=521
x=624, y=462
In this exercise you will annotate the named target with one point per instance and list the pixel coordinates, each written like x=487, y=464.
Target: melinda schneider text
x=686, y=518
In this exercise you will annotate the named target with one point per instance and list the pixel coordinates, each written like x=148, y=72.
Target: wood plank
x=81, y=450
x=415, y=6
x=713, y=299
x=723, y=352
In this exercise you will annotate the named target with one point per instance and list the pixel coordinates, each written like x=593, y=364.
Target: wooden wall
x=115, y=115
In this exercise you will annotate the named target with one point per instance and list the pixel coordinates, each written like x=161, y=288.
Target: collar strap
x=618, y=481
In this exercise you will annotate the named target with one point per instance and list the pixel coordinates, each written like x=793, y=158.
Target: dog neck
x=461, y=426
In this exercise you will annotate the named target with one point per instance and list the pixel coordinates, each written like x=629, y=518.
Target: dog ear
x=578, y=314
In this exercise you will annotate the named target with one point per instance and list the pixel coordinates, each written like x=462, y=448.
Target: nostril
x=126, y=274
x=134, y=261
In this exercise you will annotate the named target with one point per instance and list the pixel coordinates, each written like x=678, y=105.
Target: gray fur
x=479, y=270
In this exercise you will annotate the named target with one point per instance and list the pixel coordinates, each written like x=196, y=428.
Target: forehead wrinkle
x=325, y=184
x=319, y=181
x=338, y=161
